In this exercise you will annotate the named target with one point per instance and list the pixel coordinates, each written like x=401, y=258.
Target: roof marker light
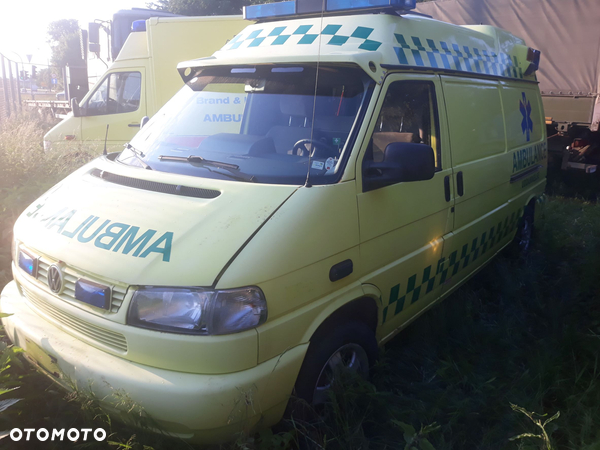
x=533, y=57
x=243, y=70
x=299, y=7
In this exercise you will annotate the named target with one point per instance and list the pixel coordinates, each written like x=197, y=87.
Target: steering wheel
x=112, y=106
x=300, y=148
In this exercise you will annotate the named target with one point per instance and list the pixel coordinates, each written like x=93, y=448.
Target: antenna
x=105, y=139
x=312, y=125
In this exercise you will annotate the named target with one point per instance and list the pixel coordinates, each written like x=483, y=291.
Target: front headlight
x=198, y=311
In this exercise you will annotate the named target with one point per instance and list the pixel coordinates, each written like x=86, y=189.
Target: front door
x=402, y=226
x=118, y=101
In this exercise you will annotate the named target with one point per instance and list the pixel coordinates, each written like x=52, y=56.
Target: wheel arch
x=531, y=201
x=364, y=308
x=537, y=203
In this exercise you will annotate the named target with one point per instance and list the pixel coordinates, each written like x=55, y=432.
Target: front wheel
x=349, y=346
x=524, y=236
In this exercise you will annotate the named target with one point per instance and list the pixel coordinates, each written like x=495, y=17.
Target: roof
x=384, y=39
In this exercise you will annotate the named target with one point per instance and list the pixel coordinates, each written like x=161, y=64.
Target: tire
x=337, y=344
x=524, y=237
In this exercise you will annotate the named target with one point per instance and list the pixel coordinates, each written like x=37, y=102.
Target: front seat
x=381, y=139
x=298, y=113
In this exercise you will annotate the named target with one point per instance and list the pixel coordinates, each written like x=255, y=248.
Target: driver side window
x=96, y=105
x=408, y=114
x=117, y=93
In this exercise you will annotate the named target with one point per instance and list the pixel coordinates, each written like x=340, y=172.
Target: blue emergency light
x=28, y=263
x=298, y=7
x=92, y=293
x=138, y=25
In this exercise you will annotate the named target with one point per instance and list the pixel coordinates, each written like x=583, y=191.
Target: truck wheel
x=524, y=236
x=348, y=346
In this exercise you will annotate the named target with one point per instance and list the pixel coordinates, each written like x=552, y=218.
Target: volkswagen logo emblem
x=55, y=279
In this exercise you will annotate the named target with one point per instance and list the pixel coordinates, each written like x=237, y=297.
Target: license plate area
x=38, y=357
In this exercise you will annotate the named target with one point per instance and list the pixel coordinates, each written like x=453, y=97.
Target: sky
x=23, y=23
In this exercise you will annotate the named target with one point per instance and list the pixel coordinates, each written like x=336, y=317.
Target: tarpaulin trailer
x=568, y=34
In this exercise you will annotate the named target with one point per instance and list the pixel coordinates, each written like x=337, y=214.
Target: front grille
x=155, y=186
x=74, y=325
x=70, y=278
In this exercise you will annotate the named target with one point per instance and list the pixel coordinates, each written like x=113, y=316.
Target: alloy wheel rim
x=525, y=240
x=350, y=357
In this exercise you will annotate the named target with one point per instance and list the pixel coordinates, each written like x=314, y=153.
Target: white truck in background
x=142, y=78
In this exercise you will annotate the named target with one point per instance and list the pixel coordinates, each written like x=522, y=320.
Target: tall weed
x=26, y=171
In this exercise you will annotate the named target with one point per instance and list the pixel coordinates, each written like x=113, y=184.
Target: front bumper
x=201, y=408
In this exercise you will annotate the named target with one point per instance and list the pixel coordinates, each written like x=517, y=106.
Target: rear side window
x=525, y=122
x=117, y=93
x=475, y=119
x=409, y=114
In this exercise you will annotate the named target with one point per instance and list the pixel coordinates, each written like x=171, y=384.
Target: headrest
x=382, y=139
x=295, y=105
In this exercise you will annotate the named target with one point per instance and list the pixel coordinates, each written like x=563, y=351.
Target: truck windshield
x=265, y=124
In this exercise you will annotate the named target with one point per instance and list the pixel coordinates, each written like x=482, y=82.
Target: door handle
x=460, y=188
x=341, y=270
x=134, y=125
x=447, y=187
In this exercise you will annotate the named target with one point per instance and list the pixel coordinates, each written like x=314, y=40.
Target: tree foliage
x=44, y=78
x=64, y=41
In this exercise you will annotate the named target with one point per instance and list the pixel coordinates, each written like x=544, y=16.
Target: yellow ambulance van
x=316, y=185
x=142, y=78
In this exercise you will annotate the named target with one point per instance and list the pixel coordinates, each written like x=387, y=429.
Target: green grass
x=522, y=332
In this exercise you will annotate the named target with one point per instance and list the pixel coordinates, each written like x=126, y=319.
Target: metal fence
x=10, y=89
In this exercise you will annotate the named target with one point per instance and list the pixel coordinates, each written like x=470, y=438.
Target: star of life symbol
x=526, y=123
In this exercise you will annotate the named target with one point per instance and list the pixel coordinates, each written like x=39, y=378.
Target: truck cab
x=142, y=78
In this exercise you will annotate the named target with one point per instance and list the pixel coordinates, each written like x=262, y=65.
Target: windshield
x=262, y=124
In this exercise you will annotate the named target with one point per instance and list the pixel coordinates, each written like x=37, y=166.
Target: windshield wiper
x=234, y=169
x=139, y=155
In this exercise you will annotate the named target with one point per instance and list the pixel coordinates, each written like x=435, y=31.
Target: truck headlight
x=197, y=311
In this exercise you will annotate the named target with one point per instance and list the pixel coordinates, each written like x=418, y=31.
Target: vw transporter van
x=317, y=184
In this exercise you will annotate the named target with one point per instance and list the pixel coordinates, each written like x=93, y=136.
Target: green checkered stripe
x=303, y=35
x=441, y=55
x=458, y=260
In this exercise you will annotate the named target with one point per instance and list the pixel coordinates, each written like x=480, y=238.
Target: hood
x=105, y=220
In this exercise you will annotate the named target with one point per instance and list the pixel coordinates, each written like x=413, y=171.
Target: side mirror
x=75, y=108
x=402, y=161
x=144, y=121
